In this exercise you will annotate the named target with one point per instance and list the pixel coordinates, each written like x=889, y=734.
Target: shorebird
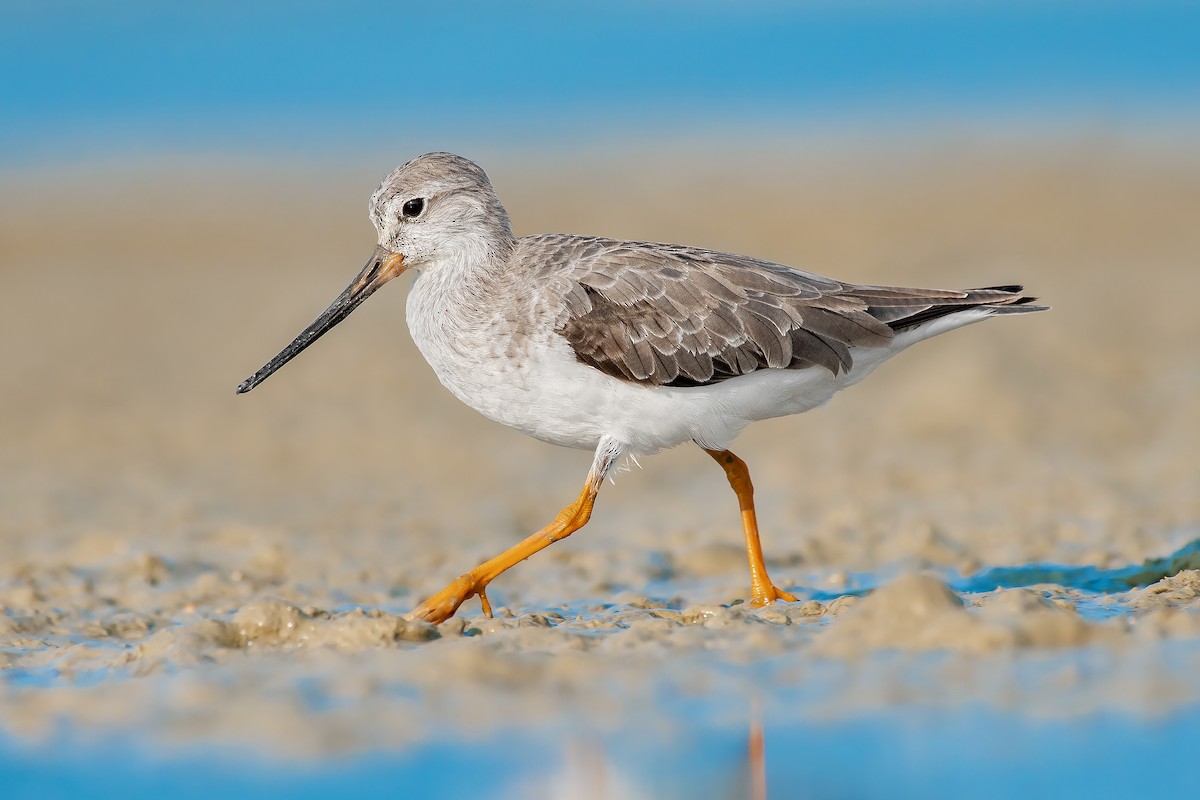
x=618, y=347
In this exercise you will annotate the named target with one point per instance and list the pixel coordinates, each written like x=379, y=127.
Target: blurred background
x=87, y=81
x=184, y=186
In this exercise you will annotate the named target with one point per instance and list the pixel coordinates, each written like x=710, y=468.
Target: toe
x=441, y=606
x=770, y=595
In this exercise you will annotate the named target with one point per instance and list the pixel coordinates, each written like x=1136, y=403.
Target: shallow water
x=940, y=692
x=721, y=744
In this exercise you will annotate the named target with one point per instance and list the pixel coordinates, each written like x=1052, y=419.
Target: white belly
x=537, y=386
x=530, y=380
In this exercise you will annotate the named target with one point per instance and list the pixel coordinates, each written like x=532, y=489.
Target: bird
x=620, y=348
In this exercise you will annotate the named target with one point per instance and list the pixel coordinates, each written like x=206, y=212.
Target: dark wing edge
x=906, y=309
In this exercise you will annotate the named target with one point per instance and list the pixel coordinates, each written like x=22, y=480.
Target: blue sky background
x=80, y=78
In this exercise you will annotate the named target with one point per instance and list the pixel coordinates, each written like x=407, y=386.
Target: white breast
x=527, y=377
x=496, y=354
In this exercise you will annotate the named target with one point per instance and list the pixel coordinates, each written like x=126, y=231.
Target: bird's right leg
x=441, y=606
x=762, y=591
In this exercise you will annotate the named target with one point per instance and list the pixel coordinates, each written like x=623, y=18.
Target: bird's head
x=436, y=206
x=437, y=209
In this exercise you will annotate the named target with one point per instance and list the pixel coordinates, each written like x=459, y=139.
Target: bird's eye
x=414, y=207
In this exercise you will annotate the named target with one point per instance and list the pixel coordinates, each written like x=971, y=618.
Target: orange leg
x=763, y=592
x=441, y=606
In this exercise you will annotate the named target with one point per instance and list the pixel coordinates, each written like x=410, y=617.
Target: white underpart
x=534, y=383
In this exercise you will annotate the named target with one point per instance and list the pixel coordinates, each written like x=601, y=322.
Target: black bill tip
x=380, y=268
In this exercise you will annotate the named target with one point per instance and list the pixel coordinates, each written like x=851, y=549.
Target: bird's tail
x=904, y=310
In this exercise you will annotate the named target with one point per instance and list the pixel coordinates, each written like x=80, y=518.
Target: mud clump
x=919, y=612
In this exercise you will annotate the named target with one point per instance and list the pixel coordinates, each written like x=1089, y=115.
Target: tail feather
x=900, y=316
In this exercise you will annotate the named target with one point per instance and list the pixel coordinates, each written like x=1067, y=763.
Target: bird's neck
x=467, y=266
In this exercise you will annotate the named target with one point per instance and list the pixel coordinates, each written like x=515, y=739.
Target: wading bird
x=621, y=348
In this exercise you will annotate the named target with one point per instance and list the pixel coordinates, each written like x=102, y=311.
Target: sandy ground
x=183, y=566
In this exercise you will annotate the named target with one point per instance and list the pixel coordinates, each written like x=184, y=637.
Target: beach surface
x=995, y=539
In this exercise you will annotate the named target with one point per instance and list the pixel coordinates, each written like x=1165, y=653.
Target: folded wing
x=668, y=315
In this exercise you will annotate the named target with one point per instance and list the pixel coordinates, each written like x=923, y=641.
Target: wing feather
x=667, y=315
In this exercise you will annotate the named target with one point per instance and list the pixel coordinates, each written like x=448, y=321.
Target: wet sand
x=186, y=569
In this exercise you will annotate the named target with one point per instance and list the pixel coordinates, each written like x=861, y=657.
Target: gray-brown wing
x=668, y=315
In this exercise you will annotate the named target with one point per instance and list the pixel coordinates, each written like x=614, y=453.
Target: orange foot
x=441, y=606
x=764, y=596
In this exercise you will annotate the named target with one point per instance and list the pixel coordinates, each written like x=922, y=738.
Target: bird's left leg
x=762, y=591
x=441, y=606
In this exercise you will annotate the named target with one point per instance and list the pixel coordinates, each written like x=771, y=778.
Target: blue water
x=131, y=75
x=967, y=752
x=1011, y=730
x=997, y=735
